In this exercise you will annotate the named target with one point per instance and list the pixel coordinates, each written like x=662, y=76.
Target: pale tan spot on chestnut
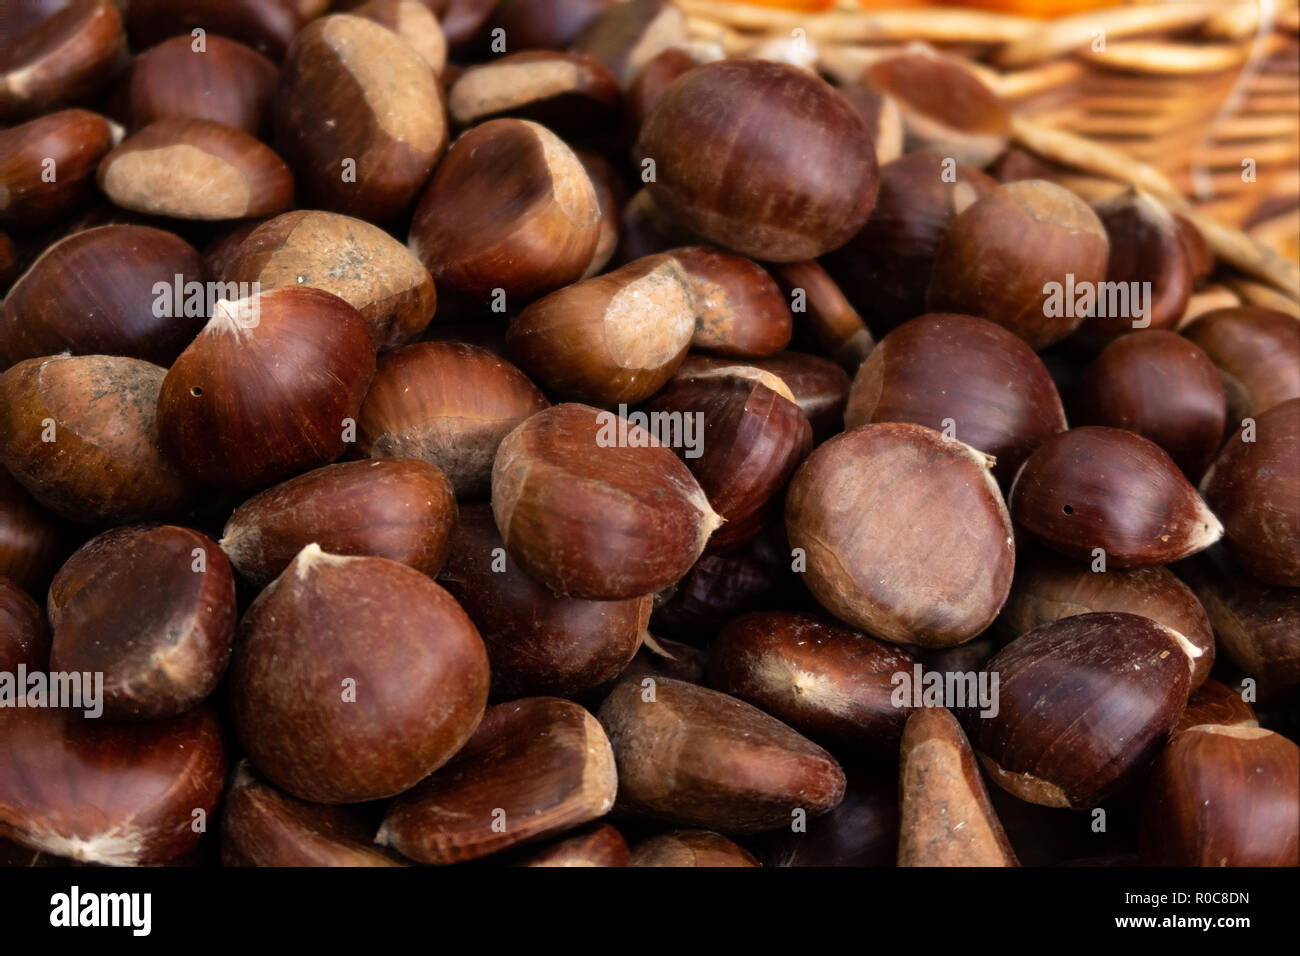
x=650, y=320
x=494, y=88
x=570, y=185
x=178, y=178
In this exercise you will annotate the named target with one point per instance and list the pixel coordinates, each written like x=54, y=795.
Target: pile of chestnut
x=462, y=430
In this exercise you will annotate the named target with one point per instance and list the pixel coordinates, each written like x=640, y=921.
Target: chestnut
x=32, y=541
x=720, y=140
x=819, y=386
x=195, y=169
x=827, y=315
x=905, y=534
x=1101, y=488
x=359, y=117
x=511, y=208
x=1084, y=704
x=225, y=82
x=753, y=438
x=571, y=94
x=1146, y=246
x=354, y=678
x=945, y=107
x=534, y=768
x=965, y=377
x=547, y=24
x=117, y=794
x=260, y=826
x=690, y=848
x=104, y=464
x=1217, y=705
x=412, y=20
x=609, y=340
x=382, y=280
x=1257, y=352
x=637, y=526
x=153, y=609
x=265, y=25
x=947, y=818
x=537, y=643
x=394, y=508
x=730, y=767
x=267, y=388
x=447, y=403
x=884, y=269
x=47, y=166
x=1223, y=796
x=626, y=36
x=1047, y=588
x=1254, y=487
x=1163, y=387
x=24, y=635
x=64, y=58
x=111, y=290
x=1018, y=256
x=739, y=309
x=596, y=845
x=825, y=681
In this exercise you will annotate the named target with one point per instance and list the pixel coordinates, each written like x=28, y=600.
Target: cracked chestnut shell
x=1112, y=489
x=354, y=678
x=905, y=533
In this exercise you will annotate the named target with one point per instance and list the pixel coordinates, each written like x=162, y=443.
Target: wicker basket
x=1178, y=97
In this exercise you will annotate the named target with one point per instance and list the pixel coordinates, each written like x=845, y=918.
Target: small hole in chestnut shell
x=196, y=391
x=1067, y=509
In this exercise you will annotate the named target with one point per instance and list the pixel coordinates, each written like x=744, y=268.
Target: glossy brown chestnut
x=884, y=269
x=638, y=525
x=947, y=818
x=731, y=768
x=196, y=169
x=571, y=94
x=414, y=21
x=652, y=79
x=825, y=314
x=547, y=24
x=354, y=678
x=104, y=464
x=825, y=681
x=537, y=643
x=534, y=768
x=269, y=388
x=47, y=166
x=965, y=377
x=512, y=208
x=447, y=403
x=1146, y=246
x=1217, y=705
x=739, y=309
x=224, y=81
x=904, y=532
x=395, y=508
x=1083, y=705
x=627, y=35
x=691, y=848
x=62, y=59
x=1001, y=255
x=152, y=608
x=265, y=25
x=1223, y=796
x=359, y=117
x=24, y=636
x=819, y=386
x=360, y=263
x=609, y=340
x=596, y=845
x=1254, y=488
x=786, y=205
x=1258, y=625
x=260, y=826
x=751, y=436
x=111, y=290
x=1112, y=490
x=118, y=794
x=946, y=109
x=1048, y=587
x=1163, y=387
x=32, y=541
x=1257, y=352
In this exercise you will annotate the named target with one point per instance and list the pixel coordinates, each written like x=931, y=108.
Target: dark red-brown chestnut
x=65, y=58
x=824, y=314
x=47, y=166
x=265, y=25
x=24, y=636
x=1257, y=352
x=739, y=309
x=32, y=541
